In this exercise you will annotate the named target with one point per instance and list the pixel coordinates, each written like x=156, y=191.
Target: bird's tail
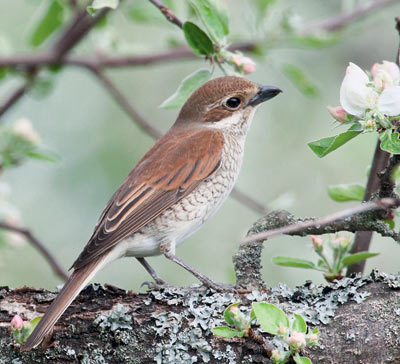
x=77, y=281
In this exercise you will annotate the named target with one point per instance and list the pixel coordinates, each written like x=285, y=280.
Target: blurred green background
x=99, y=144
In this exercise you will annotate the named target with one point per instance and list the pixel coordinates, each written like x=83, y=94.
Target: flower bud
x=338, y=113
x=341, y=241
x=283, y=330
x=385, y=74
x=24, y=129
x=17, y=323
x=313, y=338
x=317, y=242
x=297, y=340
x=237, y=60
x=248, y=65
x=276, y=355
x=243, y=64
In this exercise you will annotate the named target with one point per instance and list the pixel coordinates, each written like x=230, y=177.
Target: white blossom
x=24, y=128
x=357, y=94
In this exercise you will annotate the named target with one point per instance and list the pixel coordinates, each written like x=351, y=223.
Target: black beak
x=265, y=93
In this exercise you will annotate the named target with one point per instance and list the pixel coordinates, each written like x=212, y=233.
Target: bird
x=172, y=191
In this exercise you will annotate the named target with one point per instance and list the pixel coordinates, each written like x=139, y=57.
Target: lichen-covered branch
x=365, y=217
x=356, y=317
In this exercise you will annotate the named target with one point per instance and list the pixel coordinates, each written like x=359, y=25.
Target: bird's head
x=225, y=103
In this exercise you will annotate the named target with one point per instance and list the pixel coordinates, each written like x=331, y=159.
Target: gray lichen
x=117, y=319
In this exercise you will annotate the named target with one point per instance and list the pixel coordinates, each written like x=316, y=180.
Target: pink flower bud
x=297, y=340
x=313, y=338
x=17, y=323
x=237, y=60
x=249, y=68
x=248, y=65
x=337, y=112
x=283, y=330
x=276, y=355
x=234, y=309
x=317, y=241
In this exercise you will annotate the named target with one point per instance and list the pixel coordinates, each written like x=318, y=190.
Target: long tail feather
x=71, y=289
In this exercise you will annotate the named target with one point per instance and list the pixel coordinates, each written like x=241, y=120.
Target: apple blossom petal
x=393, y=69
x=355, y=96
x=389, y=101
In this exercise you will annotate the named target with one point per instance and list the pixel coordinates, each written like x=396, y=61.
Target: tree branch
x=174, y=325
x=338, y=22
x=125, y=104
x=168, y=13
x=58, y=270
x=13, y=98
x=322, y=225
x=103, y=61
x=379, y=179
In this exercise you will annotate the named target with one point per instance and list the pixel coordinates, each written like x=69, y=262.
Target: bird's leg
x=151, y=271
x=168, y=249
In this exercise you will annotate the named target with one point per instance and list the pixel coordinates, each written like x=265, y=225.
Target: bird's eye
x=233, y=102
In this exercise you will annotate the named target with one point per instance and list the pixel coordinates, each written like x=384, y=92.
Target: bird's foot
x=219, y=287
x=156, y=285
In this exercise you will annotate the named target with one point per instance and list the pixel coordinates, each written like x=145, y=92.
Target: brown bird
x=178, y=184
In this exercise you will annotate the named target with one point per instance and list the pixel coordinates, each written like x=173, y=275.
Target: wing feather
x=172, y=168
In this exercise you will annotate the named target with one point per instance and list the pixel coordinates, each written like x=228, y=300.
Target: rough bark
x=359, y=320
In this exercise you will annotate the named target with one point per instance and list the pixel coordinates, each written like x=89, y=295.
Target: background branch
x=168, y=13
x=54, y=264
x=337, y=22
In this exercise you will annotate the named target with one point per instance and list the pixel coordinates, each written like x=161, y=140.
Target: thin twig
x=248, y=201
x=382, y=204
x=337, y=22
x=38, y=245
x=126, y=105
x=78, y=28
x=13, y=98
x=168, y=13
x=103, y=61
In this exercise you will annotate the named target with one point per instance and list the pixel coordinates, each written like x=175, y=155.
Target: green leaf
x=197, y=39
x=228, y=315
x=345, y=192
x=301, y=359
x=300, y=80
x=299, y=324
x=252, y=316
x=293, y=262
x=390, y=222
x=101, y=4
x=43, y=155
x=224, y=331
x=390, y=142
x=270, y=317
x=3, y=72
x=324, y=146
x=186, y=88
x=214, y=18
x=357, y=257
x=33, y=324
x=49, y=20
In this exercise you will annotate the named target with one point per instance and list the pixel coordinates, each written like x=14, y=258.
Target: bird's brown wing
x=171, y=169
